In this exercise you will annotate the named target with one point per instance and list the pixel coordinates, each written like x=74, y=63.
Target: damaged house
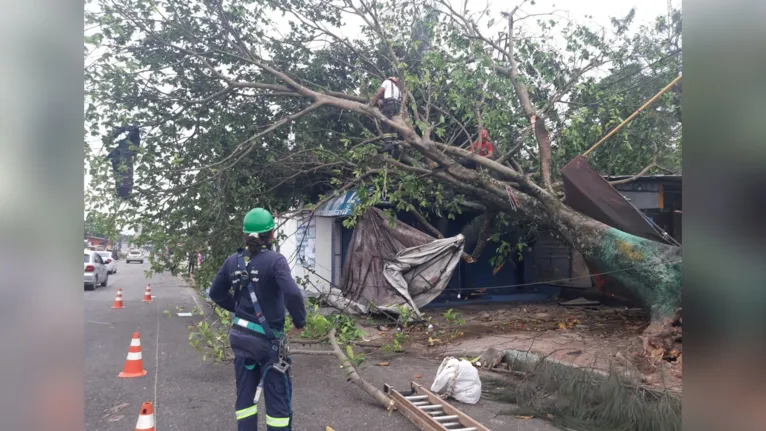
x=386, y=265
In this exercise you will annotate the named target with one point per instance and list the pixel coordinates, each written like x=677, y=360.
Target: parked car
x=111, y=264
x=135, y=256
x=96, y=273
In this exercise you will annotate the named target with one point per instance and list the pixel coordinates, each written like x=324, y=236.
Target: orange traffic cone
x=134, y=365
x=118, y=300
x=146, y=418
x=148, y=294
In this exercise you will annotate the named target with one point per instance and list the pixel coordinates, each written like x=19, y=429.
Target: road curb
x=205, y=305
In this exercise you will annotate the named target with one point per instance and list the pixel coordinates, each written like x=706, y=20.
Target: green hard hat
x=258, y=220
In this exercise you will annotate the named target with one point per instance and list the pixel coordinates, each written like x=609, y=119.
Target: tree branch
x=522, y=94
x=353, y=376
x=640, y=174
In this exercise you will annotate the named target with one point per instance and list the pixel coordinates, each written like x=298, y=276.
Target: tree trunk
x=650, y=270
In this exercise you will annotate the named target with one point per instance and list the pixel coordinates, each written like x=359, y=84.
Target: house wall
x=308, y=250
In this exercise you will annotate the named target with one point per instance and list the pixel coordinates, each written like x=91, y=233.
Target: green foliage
x=453, y=317
x=405, y=315
x=212, y=339
x=204, y=162
x=355, y=358
x=397, y=342
x=318, y=326
x=101, y=225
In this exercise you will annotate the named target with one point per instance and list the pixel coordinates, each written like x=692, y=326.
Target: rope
x=633, y=115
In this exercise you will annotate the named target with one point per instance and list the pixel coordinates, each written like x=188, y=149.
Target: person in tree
x=389, y=100
x=483, y=146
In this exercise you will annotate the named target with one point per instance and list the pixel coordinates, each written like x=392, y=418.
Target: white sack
x=459, y=379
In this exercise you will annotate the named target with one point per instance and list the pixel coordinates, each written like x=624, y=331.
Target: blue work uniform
x=253, y=351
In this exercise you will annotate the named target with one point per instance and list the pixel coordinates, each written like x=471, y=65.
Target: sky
x=601, y=12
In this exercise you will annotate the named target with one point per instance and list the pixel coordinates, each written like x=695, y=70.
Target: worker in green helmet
x=255, y=284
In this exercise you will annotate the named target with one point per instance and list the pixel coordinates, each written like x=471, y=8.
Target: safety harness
x=279, y=347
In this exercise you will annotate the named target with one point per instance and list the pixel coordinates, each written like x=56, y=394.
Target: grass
x=584, y=401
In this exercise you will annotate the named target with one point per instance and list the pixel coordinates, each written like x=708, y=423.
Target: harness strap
x=254, y=327
x=267, y=331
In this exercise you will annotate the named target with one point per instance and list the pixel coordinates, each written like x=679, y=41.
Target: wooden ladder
x=431, y=413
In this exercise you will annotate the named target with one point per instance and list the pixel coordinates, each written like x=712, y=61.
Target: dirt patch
x=596, y=337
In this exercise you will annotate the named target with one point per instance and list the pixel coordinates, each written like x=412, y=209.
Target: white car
x=95, y=270
x=111, y=264
x=135, y=256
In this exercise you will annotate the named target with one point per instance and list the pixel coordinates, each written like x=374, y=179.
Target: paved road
x=190, y=394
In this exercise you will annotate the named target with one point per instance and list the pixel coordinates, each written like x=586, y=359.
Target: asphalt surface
x=189, y=394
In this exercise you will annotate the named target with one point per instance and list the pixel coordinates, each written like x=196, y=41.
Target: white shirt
x=391, y=90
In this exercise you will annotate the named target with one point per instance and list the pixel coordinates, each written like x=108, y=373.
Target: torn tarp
x=389, y=266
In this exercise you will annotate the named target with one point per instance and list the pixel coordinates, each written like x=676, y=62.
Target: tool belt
x=281, y=348
x=391, y=104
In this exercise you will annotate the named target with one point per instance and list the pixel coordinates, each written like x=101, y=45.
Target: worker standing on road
x=262, y=289
x=389, y=96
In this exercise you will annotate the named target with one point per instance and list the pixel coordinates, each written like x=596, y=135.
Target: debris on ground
x=458, y=379
x=579, y=301
x=598, y=337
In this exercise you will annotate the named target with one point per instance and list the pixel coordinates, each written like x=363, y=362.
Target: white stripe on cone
x=135, y=342
x=145, y=422
x=134, y=356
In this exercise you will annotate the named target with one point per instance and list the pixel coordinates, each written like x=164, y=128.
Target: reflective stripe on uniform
x=277, y=422
x=254, y=327
x=246, y=413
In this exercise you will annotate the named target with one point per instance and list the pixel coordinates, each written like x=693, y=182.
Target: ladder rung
x=444, y=418
x=416, y=398
x=420, y=403
x=431, y=407
x=451, y=424
x=466, y=429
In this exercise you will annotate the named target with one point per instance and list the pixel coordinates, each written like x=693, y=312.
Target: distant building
x=98, y=243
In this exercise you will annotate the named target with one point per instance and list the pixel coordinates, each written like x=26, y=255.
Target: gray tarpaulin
x=419, y=274
x=391, y=266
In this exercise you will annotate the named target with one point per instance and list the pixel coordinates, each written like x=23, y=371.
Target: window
x=97, y=259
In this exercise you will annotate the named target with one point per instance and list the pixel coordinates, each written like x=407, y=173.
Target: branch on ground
x=351, y=374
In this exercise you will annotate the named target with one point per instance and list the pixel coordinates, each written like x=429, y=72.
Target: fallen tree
x=243, y=116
